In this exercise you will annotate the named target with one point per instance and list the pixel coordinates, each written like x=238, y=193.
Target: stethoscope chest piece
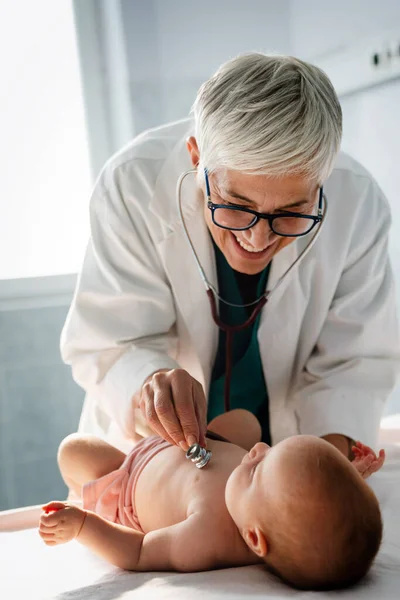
x=199, y=455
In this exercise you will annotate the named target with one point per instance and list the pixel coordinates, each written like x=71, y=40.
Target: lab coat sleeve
x=355, y=363
x=121, y=320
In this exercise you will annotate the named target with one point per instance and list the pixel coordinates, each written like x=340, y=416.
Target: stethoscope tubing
x=212, y=293
x=267, y=294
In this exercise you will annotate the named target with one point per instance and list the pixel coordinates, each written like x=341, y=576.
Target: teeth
x=249, y=248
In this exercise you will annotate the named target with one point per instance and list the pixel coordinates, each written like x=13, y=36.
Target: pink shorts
x=113, y=495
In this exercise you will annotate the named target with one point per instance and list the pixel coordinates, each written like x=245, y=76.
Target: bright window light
x=45, y=177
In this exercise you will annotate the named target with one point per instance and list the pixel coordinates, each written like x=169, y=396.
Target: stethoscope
x=212, y=293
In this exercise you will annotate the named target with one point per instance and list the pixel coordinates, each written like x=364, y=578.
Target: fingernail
x=183, y=445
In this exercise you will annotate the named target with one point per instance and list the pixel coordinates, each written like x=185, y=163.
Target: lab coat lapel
x=185, y=279
x=280, y=321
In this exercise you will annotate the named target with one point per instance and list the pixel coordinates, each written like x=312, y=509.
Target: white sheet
x=31, y=570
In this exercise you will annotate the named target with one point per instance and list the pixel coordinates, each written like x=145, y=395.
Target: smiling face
x=250, y=251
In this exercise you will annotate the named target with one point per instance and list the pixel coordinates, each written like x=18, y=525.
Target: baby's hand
x=60, y=522
x=366, y=462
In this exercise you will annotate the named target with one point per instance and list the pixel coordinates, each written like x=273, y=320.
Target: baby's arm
x=187, y=546
x=239, y=426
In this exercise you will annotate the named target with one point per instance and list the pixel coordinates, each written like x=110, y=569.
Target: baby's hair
x=338, y=551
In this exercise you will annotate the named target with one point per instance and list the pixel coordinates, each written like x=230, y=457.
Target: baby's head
x=305, y=510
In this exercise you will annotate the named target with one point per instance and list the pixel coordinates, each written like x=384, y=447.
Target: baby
x=300, y=507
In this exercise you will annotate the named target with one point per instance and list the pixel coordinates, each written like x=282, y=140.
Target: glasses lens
x=292, y=225
x=233, y=219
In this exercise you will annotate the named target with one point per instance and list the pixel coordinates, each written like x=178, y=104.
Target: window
x=45, y=177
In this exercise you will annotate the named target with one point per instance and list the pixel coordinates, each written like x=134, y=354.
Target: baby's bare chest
x=170, y=486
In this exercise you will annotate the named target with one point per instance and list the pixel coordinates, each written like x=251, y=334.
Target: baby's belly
x=161, y=495
x=170, y=485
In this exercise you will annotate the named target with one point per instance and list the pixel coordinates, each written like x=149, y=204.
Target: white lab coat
x=328, y=337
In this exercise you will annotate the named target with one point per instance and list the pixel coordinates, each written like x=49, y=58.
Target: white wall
x=172, y=47
x=319, y=26
x=194, y=39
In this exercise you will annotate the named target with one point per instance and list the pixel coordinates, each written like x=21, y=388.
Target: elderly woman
x=321, y=356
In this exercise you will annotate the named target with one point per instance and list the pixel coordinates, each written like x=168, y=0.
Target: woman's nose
x=260, y=235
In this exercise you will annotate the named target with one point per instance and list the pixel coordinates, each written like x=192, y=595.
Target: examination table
x=30, y=570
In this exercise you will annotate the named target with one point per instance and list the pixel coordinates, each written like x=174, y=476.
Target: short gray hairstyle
x=268, y=114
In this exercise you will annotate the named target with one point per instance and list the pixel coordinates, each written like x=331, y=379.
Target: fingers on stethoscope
x=175, y=411
x=166, y=417
x=149, y=413
x=185, y=401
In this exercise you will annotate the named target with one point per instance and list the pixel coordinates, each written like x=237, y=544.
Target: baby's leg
x=239, y=426
x=83, y=458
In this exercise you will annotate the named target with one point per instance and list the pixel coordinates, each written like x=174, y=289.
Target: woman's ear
x=193, y=150
x=256, y=541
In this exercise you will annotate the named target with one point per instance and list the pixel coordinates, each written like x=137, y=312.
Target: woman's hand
x=60, y=523
x=172, y=403
x=366, y=462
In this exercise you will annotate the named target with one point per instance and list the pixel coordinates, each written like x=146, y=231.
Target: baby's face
x=267, y=476
x=298, y=504
x=246, y=487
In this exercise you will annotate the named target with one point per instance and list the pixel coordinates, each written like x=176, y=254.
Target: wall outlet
x=371, y=62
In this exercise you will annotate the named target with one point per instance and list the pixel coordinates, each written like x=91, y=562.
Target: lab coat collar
x=187, y=284
x=180, y=265
x=163, y=203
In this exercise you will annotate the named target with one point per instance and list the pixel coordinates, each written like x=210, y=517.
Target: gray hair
x=268, y=114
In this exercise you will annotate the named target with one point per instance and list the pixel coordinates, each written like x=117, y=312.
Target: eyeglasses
x=285, y=223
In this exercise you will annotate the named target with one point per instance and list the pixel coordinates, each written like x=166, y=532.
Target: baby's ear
x=256, y=541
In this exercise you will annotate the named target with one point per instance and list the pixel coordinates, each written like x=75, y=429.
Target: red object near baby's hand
x=366, y=462
x=48, y=509
x=60, y=528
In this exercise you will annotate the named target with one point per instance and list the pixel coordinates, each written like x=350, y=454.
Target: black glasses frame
x=269, y=217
